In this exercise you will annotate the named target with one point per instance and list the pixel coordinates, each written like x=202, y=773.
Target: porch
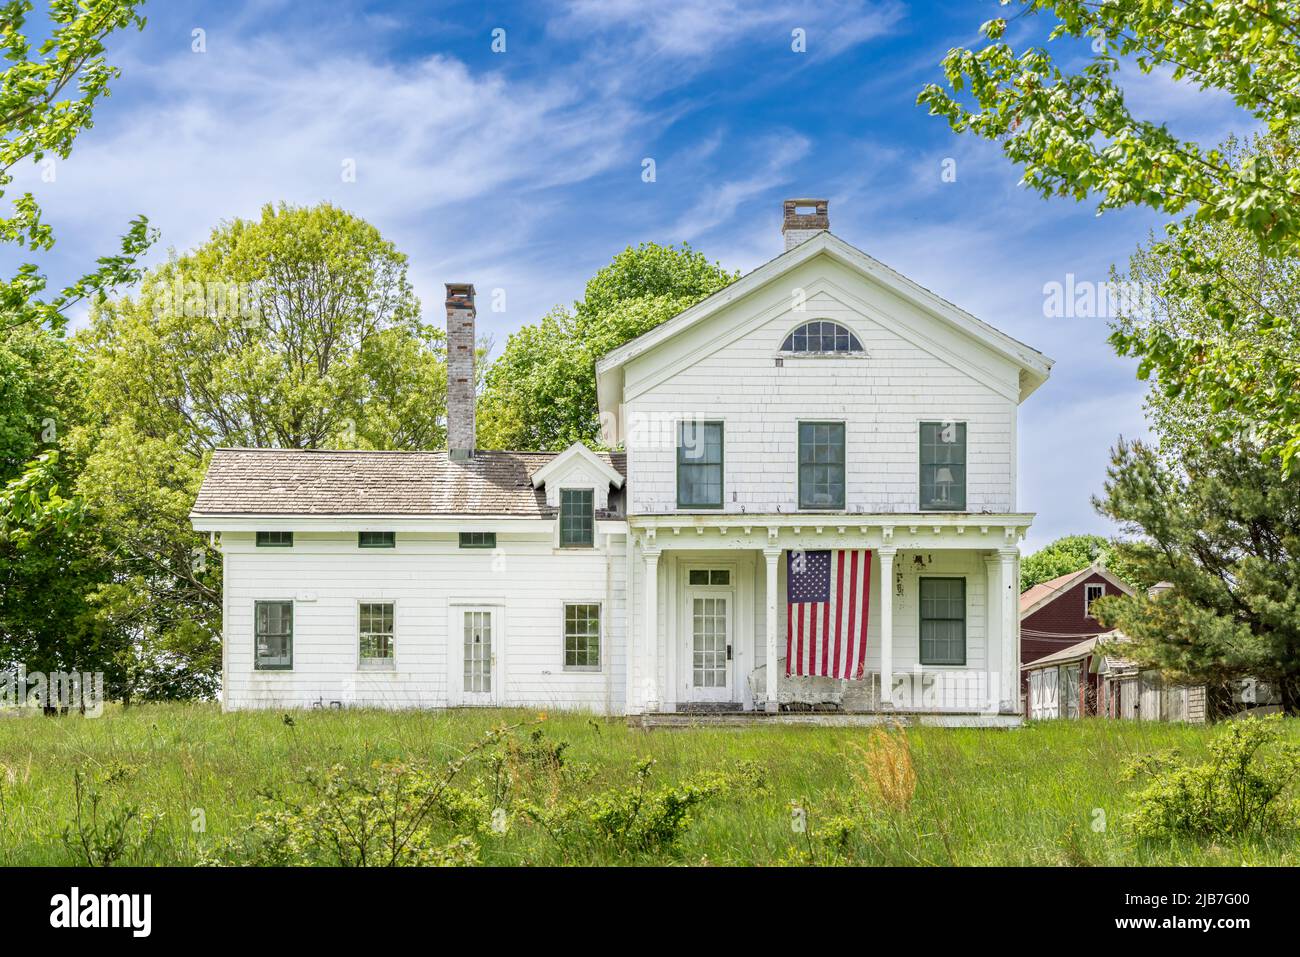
x=710, y=616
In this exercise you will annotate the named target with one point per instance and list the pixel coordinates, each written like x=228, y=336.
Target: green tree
x=1073, y=553
x=1224, y=529
x=1071, y=131
x=296, y=330
x=47, y=97
x=541, y=393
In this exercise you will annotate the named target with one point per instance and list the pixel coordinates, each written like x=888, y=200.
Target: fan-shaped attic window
x=821, y=335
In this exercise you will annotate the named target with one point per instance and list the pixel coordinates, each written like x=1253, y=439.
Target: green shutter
x=699, y=464
x=943, y=466
x=943, y=621
x=821, y=465
x=577, y=518
x=273, y=635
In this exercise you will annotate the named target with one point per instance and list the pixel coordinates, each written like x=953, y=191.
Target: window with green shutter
x=577, y=518
x=273, y=635
x=943, y=465
x=699, y=464
x=582, y=637
x=821, y=464
x=943, y=621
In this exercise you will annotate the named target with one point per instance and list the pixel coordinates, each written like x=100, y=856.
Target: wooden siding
x=326, y=575
x=913, y=371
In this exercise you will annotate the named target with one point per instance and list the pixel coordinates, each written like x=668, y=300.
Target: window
x=1091, y=592
x=943, y=621
x=943, y=465
x=375, y=624
x=1068, y=691
x=821, y=335
x=581, y=637
x=577, y=518
x=273, y=635
x=821, y=464
x=699, y=465
x=377, y=539
x=275, y=539
x=709, y=576
x=478, y=539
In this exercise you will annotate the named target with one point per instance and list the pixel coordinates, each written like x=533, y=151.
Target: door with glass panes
x=479, y=637
x=708, y=613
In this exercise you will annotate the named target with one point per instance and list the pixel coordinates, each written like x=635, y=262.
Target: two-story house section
x=812, y=506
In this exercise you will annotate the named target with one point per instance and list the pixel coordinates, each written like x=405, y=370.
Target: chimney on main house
x=803, y=219
x=460, y=371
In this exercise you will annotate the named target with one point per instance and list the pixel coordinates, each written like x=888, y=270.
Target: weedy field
x=185, y=784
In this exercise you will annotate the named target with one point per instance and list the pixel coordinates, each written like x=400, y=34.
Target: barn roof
x=327, y=482
x=1034, y=598
x=1075, y=652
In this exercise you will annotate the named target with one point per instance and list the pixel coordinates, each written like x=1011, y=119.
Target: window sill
x=378, y=667
x=581, y=671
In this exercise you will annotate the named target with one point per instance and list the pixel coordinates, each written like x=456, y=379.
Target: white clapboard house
x=814, y=510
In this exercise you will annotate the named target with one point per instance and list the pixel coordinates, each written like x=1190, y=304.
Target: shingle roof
x=1073, y=652
x=319, y=482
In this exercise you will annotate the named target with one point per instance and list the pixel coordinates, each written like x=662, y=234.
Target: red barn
x=1055, y=615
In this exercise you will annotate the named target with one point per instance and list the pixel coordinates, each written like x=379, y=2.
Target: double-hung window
x=943, y=466
x=577, y=518
x=943, y=621
x=582, y=637
x=821, y=465
x=273, y=635
x=699, y=464
x=375, y=627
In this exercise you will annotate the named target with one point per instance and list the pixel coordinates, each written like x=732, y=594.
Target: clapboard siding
x=906, y=377
x=326, y=575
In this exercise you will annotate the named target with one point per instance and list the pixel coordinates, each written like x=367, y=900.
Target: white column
x=993, y=632
x=650, y=680
x=886, y=555
x=773, y=556
x=1010, y=691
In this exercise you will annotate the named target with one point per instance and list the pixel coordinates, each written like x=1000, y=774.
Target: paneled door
x=480, y=683
x=709, y=632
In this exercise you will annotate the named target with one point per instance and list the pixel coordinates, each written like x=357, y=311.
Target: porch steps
x=824, y=719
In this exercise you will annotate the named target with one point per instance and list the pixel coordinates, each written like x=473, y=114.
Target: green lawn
x=1038, y=795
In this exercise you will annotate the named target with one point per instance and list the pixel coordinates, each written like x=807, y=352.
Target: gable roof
x=578, y=451
x=324, y=482
x=1034, y=366
x=1035, y=597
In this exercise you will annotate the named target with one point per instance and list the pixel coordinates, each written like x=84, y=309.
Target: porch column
x=886, y=555
x=650, y=681
x=993, y=630
x=1010, y=691
x=773, y=556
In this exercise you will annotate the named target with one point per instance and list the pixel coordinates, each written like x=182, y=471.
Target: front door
x=479, y=637
x=709, y=614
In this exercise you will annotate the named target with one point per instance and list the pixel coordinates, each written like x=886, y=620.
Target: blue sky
x=522, y=170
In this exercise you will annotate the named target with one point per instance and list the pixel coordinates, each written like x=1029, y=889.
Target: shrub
x=105, y=833
x=632, y=819
x=1244, y=789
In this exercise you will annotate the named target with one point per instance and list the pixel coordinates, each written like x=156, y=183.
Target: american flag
x=828, y=595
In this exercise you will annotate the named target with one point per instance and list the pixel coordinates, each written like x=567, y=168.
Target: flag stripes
x=828, y=600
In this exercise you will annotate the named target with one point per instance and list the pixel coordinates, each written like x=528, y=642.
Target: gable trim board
x=896, y=324
x=1033, y=365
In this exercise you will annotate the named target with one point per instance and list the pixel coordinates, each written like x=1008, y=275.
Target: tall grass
x=1050, y=793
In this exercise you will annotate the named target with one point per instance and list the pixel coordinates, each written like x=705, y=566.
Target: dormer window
x=821, y=337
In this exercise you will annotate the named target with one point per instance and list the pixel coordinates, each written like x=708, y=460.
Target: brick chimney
x=460, y=371
x=803, y=219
